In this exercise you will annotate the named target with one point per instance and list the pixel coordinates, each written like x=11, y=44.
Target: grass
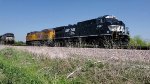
x=19, y=67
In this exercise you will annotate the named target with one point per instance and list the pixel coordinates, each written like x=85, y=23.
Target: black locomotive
x=7, y=38
x=106, y=31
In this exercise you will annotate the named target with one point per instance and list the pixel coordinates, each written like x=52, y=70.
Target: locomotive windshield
x=118, y=23
x=9, y=35
x=111, y=19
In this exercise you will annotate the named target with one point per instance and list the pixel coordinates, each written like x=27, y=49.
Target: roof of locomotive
x=33, y=32
x=8, y=34
x=44, y=30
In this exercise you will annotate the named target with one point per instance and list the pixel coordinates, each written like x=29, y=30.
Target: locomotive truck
x=105, y=31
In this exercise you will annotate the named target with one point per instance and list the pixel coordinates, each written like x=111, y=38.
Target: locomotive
x=7, y=38
x=105, y=31
x=44, y=37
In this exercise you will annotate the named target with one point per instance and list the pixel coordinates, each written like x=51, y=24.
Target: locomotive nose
x=116, y=28
x=9, y=38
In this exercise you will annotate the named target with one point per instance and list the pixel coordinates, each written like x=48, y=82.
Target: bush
x=20, y=43
x=138, y=41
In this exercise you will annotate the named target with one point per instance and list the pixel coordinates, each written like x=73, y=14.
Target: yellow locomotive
x=44, y=37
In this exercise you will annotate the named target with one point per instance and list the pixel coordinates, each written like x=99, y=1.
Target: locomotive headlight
x=117, y=28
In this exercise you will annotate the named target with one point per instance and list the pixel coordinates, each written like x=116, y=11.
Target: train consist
x=7, y=38
x=105, y=31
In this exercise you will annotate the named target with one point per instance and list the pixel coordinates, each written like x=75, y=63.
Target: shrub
x=138, y=41
x=20, y=43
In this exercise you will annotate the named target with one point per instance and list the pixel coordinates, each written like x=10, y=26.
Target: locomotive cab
x=114, y=25
x=7, y=38
x=110, y=28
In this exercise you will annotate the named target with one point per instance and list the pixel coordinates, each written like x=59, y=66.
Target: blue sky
x=23, y=16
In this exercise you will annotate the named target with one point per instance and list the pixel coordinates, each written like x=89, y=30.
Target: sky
x=23, y=16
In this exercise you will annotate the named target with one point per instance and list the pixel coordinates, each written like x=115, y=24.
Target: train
x=7, y=39
x=105, y=31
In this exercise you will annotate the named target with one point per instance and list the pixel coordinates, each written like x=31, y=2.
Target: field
x=59, y=65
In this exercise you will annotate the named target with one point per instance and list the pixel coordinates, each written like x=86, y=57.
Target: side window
x=101, y=20
x=98, y=21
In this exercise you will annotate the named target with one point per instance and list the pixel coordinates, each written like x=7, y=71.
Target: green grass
x=18, y=67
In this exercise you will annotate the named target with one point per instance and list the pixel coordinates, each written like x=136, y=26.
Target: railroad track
x=124, y=47
x=138, y=47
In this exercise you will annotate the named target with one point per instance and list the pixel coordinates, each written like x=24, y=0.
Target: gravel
x=2, y=46
x=96, y=53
